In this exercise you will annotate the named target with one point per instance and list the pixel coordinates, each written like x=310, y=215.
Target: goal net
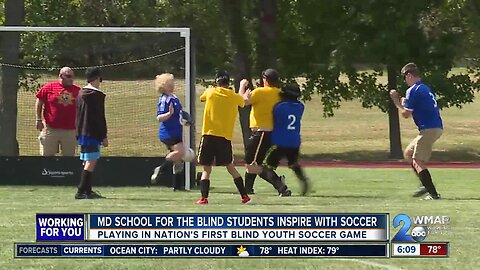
x=130, y=58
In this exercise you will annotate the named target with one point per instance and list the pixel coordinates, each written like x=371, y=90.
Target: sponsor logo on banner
x=56, y=174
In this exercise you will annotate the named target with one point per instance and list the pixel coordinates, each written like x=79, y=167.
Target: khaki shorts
x=52, y=140
x=422, y=145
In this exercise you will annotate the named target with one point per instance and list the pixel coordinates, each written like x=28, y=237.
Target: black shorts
x=169, y=143
x=276, y=153
x=258, y=145
x=214, y=150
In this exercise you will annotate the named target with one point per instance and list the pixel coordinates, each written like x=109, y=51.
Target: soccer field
x=334, y=190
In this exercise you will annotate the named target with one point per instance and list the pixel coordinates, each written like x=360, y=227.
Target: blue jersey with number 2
x=421, y=101
x=287, y=116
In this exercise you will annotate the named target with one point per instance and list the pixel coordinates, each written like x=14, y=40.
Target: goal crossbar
x=119, y=29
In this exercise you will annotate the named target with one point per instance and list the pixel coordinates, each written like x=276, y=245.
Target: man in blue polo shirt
x=420, y=103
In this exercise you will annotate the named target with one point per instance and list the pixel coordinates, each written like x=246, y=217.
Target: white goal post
x=183, y=32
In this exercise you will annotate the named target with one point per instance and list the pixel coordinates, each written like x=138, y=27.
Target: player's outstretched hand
x=244, y=83
x=105, y=142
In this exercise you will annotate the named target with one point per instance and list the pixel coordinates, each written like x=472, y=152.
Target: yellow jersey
x=221, y=109
x=263, y=99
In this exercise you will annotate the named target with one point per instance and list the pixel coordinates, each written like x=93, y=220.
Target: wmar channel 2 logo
x=422, y=227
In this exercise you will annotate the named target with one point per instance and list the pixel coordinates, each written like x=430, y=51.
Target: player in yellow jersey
x=215, y=148
x=262, y=99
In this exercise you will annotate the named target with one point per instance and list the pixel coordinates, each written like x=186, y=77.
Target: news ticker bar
x=213, y=227
x=33, y=250
x=386, y=250
x=421, y=249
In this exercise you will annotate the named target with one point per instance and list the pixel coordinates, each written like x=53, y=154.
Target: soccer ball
x=189, y=155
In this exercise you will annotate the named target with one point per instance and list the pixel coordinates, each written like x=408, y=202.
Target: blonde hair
x=161, y=80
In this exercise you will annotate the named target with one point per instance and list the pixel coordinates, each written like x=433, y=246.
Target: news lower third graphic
x=234, y=235
x=213, y=227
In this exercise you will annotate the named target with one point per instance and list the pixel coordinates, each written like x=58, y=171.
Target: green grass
x=355, y=133
x=334, y=190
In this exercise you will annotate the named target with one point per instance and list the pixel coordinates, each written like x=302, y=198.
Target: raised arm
x=406, y=113
x=244, y=92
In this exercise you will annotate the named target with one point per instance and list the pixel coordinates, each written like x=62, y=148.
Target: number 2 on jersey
x=293, y=119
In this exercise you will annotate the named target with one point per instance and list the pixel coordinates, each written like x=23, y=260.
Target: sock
x=204, y=187
x=272, y=177
x=269, y=175
x=178, y=167
x=85, y=182
x=249, y=181
x=427, y=182
x=165, y=165
x=299, y=172
x=240, y=186
x=177, y=181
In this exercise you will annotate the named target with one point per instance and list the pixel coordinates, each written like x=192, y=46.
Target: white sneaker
x=153, y=178
x=429, y=197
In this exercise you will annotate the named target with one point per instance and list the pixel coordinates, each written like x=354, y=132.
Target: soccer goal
x=130, y=57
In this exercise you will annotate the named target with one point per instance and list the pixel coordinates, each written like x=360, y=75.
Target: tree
x=213, y=50
x=14, y=13
x=421, y=32
x=266, y=40
x=470, y=12
x=232, y=9
x=210, y=28
x=327, y=39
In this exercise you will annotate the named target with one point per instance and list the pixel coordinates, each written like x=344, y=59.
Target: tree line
x=319, y=40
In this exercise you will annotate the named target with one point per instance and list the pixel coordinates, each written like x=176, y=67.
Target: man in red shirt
x=56, y=113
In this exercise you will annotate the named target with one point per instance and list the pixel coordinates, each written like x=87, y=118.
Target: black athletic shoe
x=81, y=196
x=420, y=192
x=430, y=197
x=305, y=187
x=251, y=191
x=95, y=195
x=286, y=193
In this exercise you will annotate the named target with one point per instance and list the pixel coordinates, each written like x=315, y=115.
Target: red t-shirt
x=59, y=110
